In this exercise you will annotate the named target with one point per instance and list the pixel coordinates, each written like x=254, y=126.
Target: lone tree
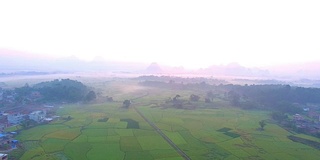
x=210, y=96
x=91, y=96
x=177, y=102
x=109, y=99
x=207, y=100
x=176, y=98
x=194, y=97
x=262, y=123
x=234, y=98
x=126, y=103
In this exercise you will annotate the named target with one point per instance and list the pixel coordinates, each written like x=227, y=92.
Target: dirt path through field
x=184, y=155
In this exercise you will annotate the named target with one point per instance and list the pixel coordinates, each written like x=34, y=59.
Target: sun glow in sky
x=180, y=33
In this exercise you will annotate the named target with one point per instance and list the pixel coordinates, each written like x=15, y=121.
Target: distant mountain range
x=16, y=61
x=234, y=69
x=154, y=68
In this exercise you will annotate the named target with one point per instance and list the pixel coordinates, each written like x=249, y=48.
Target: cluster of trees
x=283, y=98
x=181, y=80
x=126, y=103
x=180, y=103
x=64, y=90
x=177, y=102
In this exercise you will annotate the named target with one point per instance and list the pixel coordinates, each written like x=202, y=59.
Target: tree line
x=284, y=98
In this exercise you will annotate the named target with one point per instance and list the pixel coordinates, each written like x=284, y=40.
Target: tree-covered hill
x=62, y=90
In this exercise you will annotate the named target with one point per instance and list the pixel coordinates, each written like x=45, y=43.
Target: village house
x=1, y=95
x=3, y=123
x=48, y=106
x=7, y=142
x=16, y=118
x=38, y=116
x=3, y=156
x=34, y=96
x=4, y=139
x=298, y=117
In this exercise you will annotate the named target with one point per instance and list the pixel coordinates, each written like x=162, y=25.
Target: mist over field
x=70, y=108
x=159, y=80
x=93, y=116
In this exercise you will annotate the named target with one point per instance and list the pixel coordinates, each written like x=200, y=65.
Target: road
x=184, y=155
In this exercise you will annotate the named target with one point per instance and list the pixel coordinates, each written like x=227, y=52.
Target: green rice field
x=108, y=131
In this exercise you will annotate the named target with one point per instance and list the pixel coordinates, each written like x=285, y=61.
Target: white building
x=38, y=116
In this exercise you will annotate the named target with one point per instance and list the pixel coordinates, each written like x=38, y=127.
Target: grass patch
x=102, y=151
x=239, y=153
x=69, y=134
x=77, y=150
x=16, y=154
x=175, y=137
x=97, y=139
x=139, y=132
x=163, y=126
x=38, y=132
x=13, y=128
x=130, y=144
x=103, y=120
x=121, y=125
x=124, y=132
x=112, y=132
x=138, y=155
x=113, y=120
x=113, y=139
x=308, y=137
x=308, y=142
x=35, y=153
x=51, y=145
x=153, y=142
x=77, y=122
x=95, y=132
x=216, y=152
x=28, y=145
x=60, y=156
x=192, y=141
x=132, y=124
x=81, y=138
x=164, y=154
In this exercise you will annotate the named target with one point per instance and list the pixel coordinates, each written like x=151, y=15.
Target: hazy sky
x=189, y=33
